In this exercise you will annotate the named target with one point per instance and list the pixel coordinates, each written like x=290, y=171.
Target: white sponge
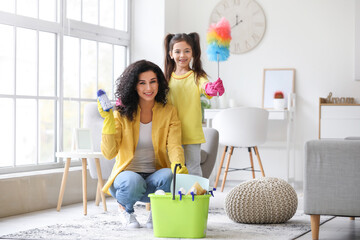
x=159, y=192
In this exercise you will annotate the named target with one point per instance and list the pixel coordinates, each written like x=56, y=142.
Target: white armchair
x=94, y=121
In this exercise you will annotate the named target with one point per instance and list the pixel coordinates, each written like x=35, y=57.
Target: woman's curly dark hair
x=126, y=87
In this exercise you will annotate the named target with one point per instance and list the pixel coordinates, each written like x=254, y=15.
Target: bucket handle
x=174, y=179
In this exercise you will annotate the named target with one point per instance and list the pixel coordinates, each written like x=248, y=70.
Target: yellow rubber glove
x=182, y=170
x=109, y=121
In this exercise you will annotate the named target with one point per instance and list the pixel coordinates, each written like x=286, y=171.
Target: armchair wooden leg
x=220, y=166
x=260, y=164
x=251, y=162
x=227, y=168
x=315, y=223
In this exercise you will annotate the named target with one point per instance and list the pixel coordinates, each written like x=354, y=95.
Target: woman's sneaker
x=129, y=219
x=149, y=223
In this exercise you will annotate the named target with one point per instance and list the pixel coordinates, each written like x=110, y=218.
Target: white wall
x=34, y=191
x=314, y=37
x=357, y=36
x=172, y=14
x=147, y=30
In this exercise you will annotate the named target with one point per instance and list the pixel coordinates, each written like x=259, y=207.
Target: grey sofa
x=331, y=180
x=94, y=121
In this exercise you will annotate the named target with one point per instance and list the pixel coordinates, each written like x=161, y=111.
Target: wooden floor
x=339, y=228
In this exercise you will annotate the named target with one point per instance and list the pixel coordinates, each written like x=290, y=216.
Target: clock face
x=247, y=22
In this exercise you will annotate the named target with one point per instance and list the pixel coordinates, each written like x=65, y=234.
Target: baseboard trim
x=39, y=190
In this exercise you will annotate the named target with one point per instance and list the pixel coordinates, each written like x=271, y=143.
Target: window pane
x=46, y=131
x=119, y=61
x=7, y=59
x=47, y=56
x=26, y=62
x=7, y=6
x=107, y=13
x=121, y=15
x=26, y=131
x=82, y=105
x=105, y=68
x=71, y=121
x=27, y=8
x=71, y=67
x=47, y=10
x=90, y=11
x=73, y=9
x=88, y=69
x=7, y=132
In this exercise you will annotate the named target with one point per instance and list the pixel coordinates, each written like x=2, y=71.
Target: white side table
x=84, y=156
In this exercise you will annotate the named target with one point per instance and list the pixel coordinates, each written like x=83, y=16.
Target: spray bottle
x=104, y=100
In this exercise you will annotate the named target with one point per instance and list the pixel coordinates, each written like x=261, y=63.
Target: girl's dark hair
x=126, y=87
x=193, y=39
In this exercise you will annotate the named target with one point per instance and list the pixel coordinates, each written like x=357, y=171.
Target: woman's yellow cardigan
x=166, y=139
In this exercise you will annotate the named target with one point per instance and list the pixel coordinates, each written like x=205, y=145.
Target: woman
x=144, y=134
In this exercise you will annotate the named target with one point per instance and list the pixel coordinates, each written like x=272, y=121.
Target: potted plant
x=205, y=103
x=279, y=101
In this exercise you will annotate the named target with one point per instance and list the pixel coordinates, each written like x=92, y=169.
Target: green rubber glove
x=182, y=170
x=109, y=121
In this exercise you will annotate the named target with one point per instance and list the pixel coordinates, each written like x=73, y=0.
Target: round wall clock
x=247, y=21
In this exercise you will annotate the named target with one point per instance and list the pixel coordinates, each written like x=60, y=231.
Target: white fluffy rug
x=107, y=226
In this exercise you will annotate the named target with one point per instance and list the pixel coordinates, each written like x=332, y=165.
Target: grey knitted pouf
x=263, y=200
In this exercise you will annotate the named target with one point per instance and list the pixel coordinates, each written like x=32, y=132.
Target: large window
x=54, y=56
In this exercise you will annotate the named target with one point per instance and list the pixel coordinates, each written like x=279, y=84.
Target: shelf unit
x=338, y=120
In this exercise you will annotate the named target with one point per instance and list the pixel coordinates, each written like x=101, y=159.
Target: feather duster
x=218, y=38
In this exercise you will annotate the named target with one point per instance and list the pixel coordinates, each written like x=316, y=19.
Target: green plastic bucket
x=177, y=218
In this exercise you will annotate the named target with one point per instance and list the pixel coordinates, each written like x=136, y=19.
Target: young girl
x=187, y=81
x=143, y=133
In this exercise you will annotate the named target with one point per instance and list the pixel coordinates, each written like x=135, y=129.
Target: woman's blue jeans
x=130, y=187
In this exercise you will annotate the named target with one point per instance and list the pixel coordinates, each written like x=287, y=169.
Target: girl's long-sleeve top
x=165, y=134
x=185, y=94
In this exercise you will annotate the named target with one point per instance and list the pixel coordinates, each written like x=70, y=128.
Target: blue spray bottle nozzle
x=193, y=195
x=180, y=195
x=100, y=92
x=212, y=191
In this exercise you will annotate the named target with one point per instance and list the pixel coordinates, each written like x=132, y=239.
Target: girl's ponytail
x=169, y=63
x=197, y=64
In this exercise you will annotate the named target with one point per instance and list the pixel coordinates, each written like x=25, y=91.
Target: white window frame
x=62, y=27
